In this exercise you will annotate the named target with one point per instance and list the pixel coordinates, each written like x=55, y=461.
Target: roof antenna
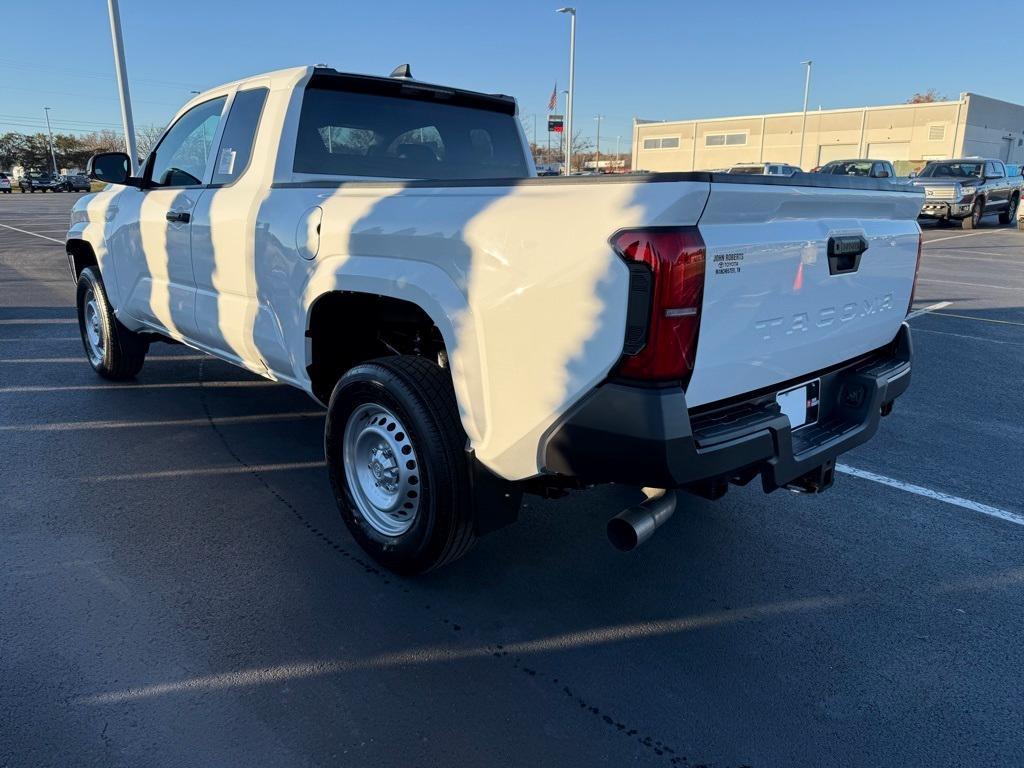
x=402, y=71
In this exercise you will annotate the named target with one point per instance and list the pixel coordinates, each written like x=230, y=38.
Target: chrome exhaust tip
x=635, y=525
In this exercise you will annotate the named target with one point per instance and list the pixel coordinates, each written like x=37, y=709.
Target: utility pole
x=53, y=157
x=572, y=85
x=122, y=85
x=803, y=126
x=617, y=151
x=599, y=118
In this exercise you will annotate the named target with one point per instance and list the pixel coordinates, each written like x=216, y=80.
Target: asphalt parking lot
x=178, y=588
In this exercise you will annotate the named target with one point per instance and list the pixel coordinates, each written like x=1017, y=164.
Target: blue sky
x=659, y=59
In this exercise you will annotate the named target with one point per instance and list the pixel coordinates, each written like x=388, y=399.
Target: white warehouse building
x=907, y=134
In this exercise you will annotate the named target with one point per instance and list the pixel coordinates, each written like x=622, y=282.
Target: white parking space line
x=34, y=234
x=973, y=285
x=38, y=321
x=929, y=308
x=919, y=490
x=954, y=237
x=964, y=336
x=979, y=319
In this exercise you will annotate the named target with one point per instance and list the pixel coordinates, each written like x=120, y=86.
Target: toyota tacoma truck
x=475, y=332
x=968, y=189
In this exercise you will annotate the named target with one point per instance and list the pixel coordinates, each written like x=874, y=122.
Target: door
x=233, y=318
x=156, y=277
x=829, y=152
x=889, y=150
x=998, y=189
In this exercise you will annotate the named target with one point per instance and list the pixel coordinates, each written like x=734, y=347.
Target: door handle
x=183, y=216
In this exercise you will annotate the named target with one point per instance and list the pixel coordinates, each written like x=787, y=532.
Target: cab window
x=239, y=134
x=181, y=157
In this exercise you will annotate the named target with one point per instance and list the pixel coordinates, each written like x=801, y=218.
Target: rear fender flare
x=434, y=291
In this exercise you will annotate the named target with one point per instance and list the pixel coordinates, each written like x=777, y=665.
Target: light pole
x=599, y=118
x=562, y=134
x=572, y=85
x=127, y=121
x=803, y=126
x=617, y=151
x=53, y=157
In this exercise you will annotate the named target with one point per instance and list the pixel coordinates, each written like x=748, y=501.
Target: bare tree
x=146, y=138
x=927, y=97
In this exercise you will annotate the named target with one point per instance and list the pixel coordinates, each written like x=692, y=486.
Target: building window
x=662, y=142
x=725, y=139
x=936, y=131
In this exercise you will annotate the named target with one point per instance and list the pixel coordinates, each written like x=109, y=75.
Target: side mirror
x=882, y=175
x=913, y=175
x=111, y=168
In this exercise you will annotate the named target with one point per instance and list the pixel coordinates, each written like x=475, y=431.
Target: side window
x=999, y=168
x=239, y=133
x=180, y=159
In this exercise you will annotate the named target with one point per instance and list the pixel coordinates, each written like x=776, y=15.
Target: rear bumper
x=647, y=437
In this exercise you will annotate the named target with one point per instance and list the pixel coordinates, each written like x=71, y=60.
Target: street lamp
x=803, y=126
x=53, y=157
x=599, y=118
x=572, y=85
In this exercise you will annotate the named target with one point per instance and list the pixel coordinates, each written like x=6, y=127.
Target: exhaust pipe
x=635, y=525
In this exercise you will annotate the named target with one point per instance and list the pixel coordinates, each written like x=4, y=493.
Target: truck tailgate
x=775, y=309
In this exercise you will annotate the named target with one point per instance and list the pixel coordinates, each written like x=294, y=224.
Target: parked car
x=968, y=189
x=75, y=182
x=5, y=184
x=32, y=182
x=766, y=169
x=475, y=333
x=875, y=169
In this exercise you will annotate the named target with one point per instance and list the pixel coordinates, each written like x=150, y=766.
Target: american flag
x=553, y=101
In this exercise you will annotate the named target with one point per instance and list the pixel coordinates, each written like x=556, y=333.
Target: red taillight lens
x=676, y=259
x=917, y=268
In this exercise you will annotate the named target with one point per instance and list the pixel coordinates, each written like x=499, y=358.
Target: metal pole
x=53, y=157
x=122, y=85
x=617, y=151
x=572, y=86
x=803, y=126
x=599, y=118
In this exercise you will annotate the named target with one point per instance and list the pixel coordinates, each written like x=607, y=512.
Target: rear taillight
x=675, y=258
x=917, y=268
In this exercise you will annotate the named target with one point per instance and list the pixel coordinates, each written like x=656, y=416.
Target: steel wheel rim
x=92, y=328
x=381, y=469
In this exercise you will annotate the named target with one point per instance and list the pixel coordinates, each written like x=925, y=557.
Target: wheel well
x=347, y=328
x=80, y=256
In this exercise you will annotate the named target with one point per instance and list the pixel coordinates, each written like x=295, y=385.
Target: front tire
x=113, y=351
x=974, y=220
x=1008, y=215
x=396, y=453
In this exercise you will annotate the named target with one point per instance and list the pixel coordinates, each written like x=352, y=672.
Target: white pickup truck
x=476, y=332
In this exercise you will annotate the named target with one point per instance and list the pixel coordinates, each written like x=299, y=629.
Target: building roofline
x=963, y=98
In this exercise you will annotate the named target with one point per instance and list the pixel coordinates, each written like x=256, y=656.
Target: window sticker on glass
x=226, y=163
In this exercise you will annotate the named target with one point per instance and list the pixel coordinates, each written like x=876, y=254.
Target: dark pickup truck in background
x=968, y=189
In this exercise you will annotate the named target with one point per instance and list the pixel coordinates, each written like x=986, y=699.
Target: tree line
x=31, y=151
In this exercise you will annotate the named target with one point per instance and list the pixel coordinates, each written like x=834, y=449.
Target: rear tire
x=112, y=350
x=396, y=453
x=1008, y=215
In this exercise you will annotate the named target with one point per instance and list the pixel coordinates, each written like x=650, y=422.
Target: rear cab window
x=238, y=136
x=407, y=131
